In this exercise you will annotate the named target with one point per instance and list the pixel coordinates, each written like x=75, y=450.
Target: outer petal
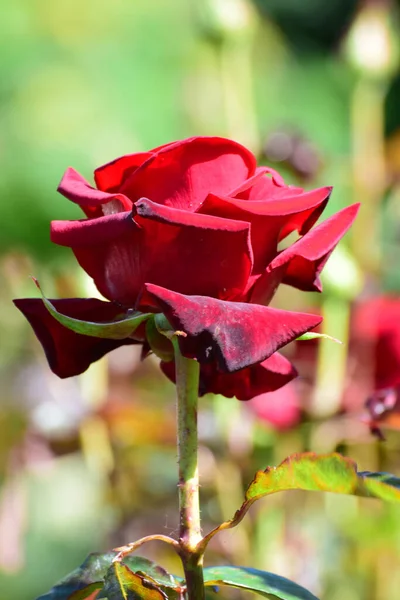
x=190, y=253
x=259, y=187
x=70, y=353
x=270, y=221
x=74, y=187
x=267, y=376
x=301, y=264
x=182, y=174
x=232, y=334
x=111, y=176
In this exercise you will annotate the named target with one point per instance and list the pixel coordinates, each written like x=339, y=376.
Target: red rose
x=192, y=229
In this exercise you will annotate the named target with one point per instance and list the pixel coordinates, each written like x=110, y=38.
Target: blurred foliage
x=89, y=464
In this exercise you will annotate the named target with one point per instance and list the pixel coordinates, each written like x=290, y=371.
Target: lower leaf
x=90, y=592
x=87, y=581
x=260, y=582
x=122, y=584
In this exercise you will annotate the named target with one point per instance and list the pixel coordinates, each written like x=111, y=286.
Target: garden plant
x=188, y=243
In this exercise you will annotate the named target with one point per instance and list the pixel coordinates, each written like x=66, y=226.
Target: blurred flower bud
x=295, y=151
x=372, y=44
x=219, y=19
x=342, y=276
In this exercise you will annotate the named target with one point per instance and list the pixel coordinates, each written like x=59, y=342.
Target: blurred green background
x=313, y=88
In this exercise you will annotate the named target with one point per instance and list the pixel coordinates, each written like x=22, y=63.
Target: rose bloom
x=191, y=229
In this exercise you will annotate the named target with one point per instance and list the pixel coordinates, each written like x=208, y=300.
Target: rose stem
x=187, y=385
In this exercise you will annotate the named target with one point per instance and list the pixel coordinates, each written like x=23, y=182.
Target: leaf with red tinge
x=323, y=473
x=90, y=592
x=262, y=583
x=89, y=578
x=123, y=584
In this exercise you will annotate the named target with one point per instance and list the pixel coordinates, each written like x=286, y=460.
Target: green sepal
x=312, y=335
x=323, y=473
x=158, y=342
x=261, y=582
x=118, y=329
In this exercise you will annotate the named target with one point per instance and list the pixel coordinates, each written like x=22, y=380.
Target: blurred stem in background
x=372, y=49
x=230, y=25
x=369, y=176
x=236, y=432
x=93, y=432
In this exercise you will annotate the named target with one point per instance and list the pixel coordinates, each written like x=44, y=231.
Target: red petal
x=259, y=187
x=67, y=352
x=74, y=187
x=270, y=221
x=232, y=334
x=89, y=232
x=111, y=176
x=301, y=264
x=182, y=174
x=267, y=376
x=188, y=252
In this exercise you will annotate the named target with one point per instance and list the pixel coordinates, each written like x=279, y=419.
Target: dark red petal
x=270, y=221
x=267, y=376
x=188, y=252
x=74, y=187
x=232, y=334
x=89, y=232
x=182, y=174
x=260, y=187
x=301, y=264
x=67, y=352
x=111, y=176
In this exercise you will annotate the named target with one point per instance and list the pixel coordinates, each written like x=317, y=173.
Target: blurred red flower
x=375, y=352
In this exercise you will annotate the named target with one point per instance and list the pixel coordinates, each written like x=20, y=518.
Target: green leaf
x=122, y=584
x=312, y=335
x=262, y=583
x=167, y=583
x=92, y=571
x=323, y=473
x=114, y=330
x=90, y=592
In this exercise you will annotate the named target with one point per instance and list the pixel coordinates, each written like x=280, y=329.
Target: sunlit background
x=313, y=88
